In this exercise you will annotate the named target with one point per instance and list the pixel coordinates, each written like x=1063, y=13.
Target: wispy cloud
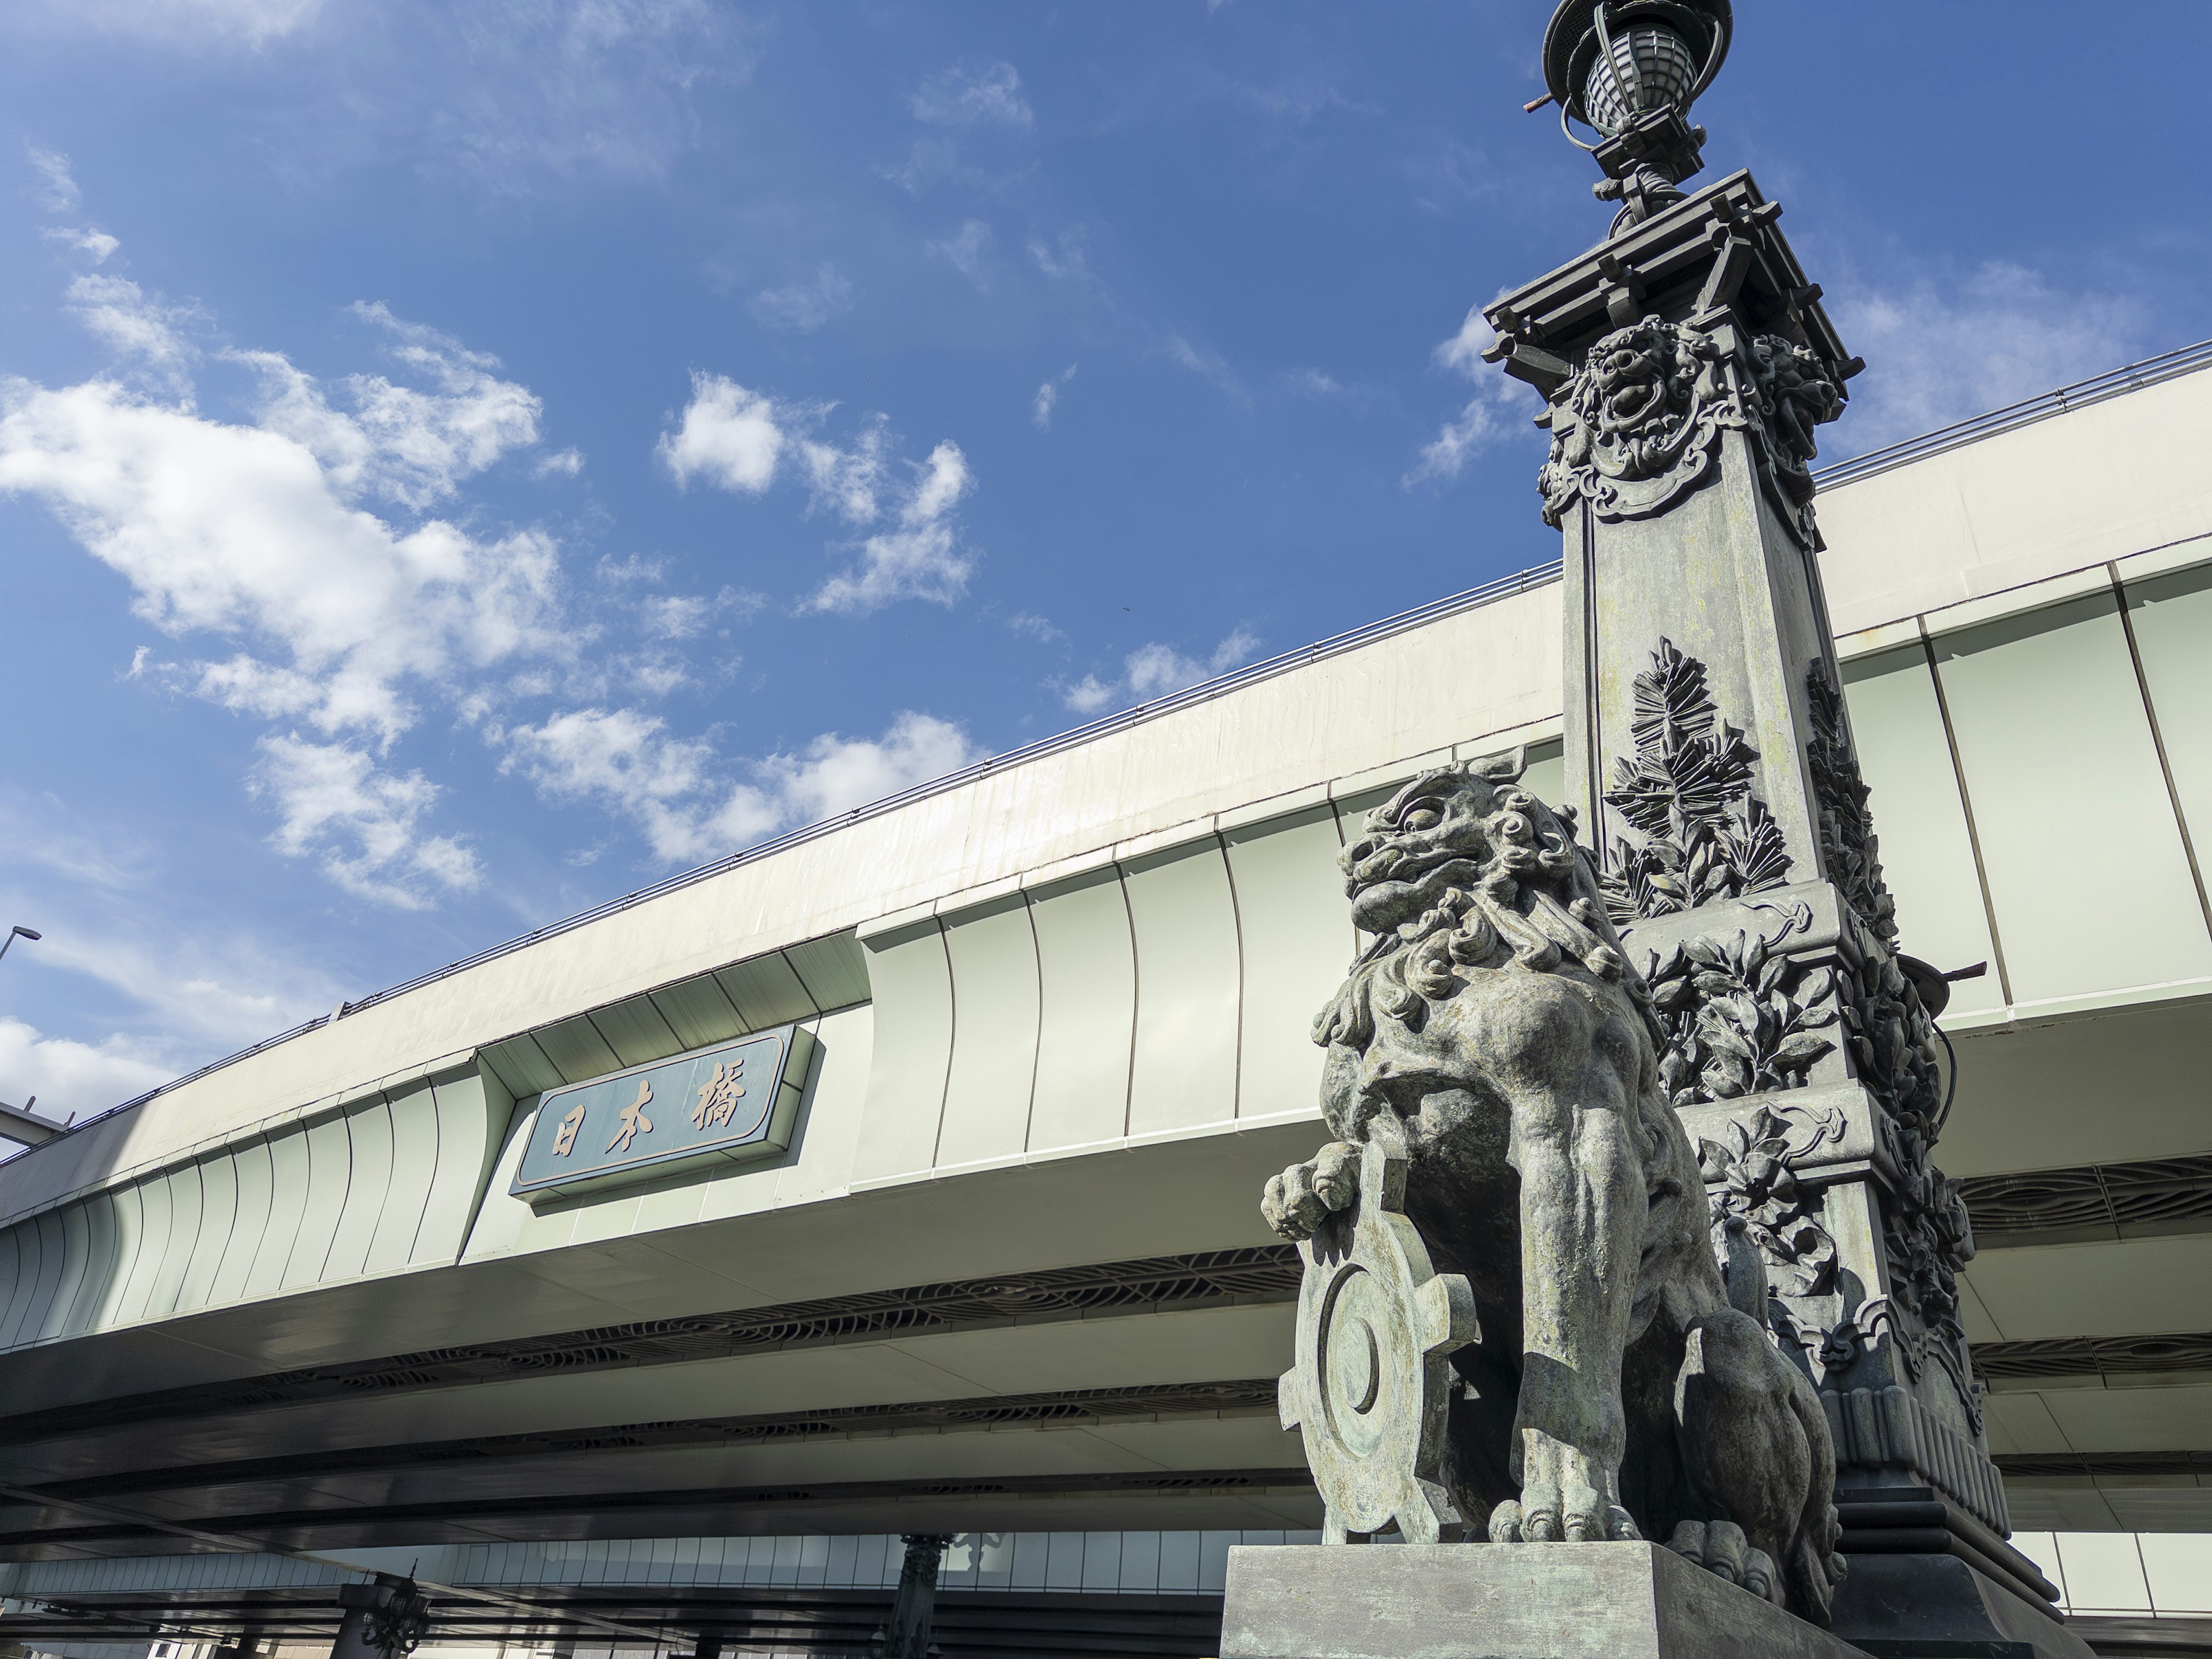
x=973, y=95
x=1945, y=345
x=964, y=250
x=681, y=797
x=1154, y=670
x=1494, y=412
x=1048, y=398
x=188, y=23
x=804, y=306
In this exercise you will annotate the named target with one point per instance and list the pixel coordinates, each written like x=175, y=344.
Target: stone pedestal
x=1500, y=1601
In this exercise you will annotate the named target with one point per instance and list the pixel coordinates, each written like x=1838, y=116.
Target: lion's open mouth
x=1416, y=884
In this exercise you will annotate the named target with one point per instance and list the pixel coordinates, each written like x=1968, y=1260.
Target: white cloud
x=738, y=438
x=1498, y=404
x=669, y=790
x=729, y=437
x=254, y=535
x=1039, y=629
x=965, y=251
x=98, y=243
x=68, y=1078
x=1048, y=398
x=1462, y=352
x=561, y=463
x=57, y=190
x=1308, y=383
x=1948, y=346
x=407, y=445
x=1155, y=670
x=973, y=95
x=804, y=306
x=333, y=794
x=921, y=557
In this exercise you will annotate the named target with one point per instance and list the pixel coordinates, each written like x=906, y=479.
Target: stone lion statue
x=1494, y=1036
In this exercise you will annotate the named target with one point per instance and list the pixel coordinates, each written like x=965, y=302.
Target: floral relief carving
x=1738, y=1017
x=1849, y=849
x=1700, y=833
x=1753, y=1186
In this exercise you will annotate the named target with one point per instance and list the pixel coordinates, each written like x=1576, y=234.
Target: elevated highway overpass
x=1008, y=1277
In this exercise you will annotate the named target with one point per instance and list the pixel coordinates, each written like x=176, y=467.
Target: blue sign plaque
x=730, y=1103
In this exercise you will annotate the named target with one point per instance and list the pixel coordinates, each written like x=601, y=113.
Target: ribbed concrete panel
x=2051, y=727
x=153, y=1246
x=369, y=1180
x=2171, y=617
x=415, y=1156
x=330, y=1167
x=1927, y=855
x=472, y=1118
x=635, y=1031
x=699, y=1011
x=24, y=1283
x=833, y=969
x=76, y=1241
x=254, y=1194
x=766, y=992
x=218, y=1215
x=83, y=1310
x=290, y=1177
x=129, y=1232
x=994, y=959
x=187, y=1203
x=1184, y=1070
x=1297, y=940
x=1088, y=1010
x=912, y=1051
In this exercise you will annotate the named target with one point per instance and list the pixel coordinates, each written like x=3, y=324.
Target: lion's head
x=1462, y=871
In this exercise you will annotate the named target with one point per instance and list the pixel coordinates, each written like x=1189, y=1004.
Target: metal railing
x=2064, y=400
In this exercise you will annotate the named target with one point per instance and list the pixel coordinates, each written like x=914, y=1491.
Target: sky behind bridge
x=459, y=464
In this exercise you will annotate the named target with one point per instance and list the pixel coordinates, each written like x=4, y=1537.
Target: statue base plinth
x=1500, y=1601
x=1939, y=1607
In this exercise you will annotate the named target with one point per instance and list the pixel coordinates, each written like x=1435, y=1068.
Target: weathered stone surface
x=1494, y=1061
x=1621, y=1601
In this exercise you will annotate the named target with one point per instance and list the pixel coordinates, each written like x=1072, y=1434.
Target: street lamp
x=1630, y=72
x=16, y=932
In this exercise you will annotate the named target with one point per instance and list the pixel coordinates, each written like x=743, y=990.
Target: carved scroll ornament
x=1638, y=425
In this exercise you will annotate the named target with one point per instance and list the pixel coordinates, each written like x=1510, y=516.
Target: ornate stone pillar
x=385, y=1620
x=907, y=1635
x=1685, y=364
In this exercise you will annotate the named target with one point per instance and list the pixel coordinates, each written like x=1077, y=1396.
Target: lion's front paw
x=1720, y=1547
x=1300, y=1199
x=1540, y=1518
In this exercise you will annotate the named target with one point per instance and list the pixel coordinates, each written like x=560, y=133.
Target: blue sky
x=460, y=464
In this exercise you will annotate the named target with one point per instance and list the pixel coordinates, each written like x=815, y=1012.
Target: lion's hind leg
x=1756, y=1448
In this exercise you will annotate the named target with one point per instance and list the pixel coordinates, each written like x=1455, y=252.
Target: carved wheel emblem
x=1373, y=1382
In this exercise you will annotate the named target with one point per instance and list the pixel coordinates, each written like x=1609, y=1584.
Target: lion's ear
x=1504, y=767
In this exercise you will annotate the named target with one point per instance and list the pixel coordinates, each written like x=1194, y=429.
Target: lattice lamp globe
x=1608, y=63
